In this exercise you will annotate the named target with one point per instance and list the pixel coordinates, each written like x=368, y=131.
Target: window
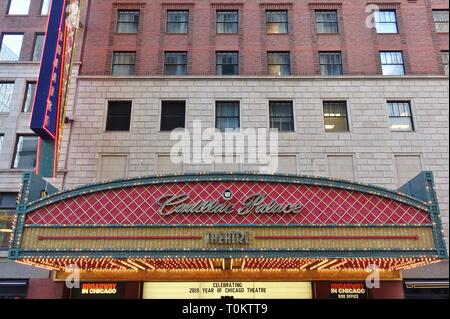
x=6, y=92
x=177, y=21
x=386, y=21
x=392, y=63
x=335, y=115
x=118, y=117
x=227, y=115
x=123, y=63
x=227, y=21
x=227, y=63
x=277, y=21
x=173, y=115
x=441, y=20
x=279, y=63
x=1, y=141
x=175, y=63
x=38, y=46
x=10, y=47
x=400, y=116
x=165, y=165
x=282, y=115
x=29, y=97
x=7, y=214
x=327, y=22
x=331, y=63
x=127, y=21
x=341, y=166
x=26, y=150
x=45, y=9
x=19, y=7
x=113, y=167
x=445, y=58
x=408, y=167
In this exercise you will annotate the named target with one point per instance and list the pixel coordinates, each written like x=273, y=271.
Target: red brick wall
x=29, y=25
x=360, y=46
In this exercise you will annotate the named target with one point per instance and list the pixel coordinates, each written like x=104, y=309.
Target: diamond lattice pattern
x=138, y=206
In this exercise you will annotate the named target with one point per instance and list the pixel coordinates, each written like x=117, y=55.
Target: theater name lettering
x=181, y=204
x=99, y=289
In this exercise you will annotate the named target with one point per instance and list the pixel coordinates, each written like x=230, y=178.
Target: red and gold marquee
x=238, y=222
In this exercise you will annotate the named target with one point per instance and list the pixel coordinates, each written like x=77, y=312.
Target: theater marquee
x=239, y=222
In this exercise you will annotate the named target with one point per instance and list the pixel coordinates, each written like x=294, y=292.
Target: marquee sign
x=324, y=223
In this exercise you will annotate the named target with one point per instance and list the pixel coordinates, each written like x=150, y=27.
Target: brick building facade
x=128, y=56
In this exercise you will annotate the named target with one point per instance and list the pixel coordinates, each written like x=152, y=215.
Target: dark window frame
x=2, y=35
x=290, y=117
x=397, y=30
x=396, y=64
x=111, y=118
x=163, y=125
x=281, y=65
x=437, y=23
x=128, y=11
x=34, y=46
x=238, y=116
x=42, y=7
x=445, y=61
x=341, y=64
x=13, y=86
x=334, y=23
x=185, y=53
x=20, y=15
x=133, y=64
x=329, y=103
x=234, y=23
x=13, y=166
x=168, y=22
x=410, y=116
x=236, y=66
x=286, y=23
x=25, y=100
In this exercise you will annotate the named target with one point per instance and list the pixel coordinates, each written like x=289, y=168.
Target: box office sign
x=348, y=290
x=98, y=290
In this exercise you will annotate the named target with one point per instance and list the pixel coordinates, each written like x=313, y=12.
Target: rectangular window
x=408, y=167
x=45, y=8
x=331, y=63
x=445, y=58
x=282, y=115
x=173, y=115
x=441, y=20
x=277, y=21
x=29, y=97
x=279, y=63
x=400, y=116
x=392, y=63
x=123, y=63
x=386, y=21
x=127, y=21
x=227, y=21
x=175, y=63
x=327, y=21
x=177, y=21
x=6, y=92
x=26, y=152
x=341, y=167
x=7, y=214
x=335, y=116
x=227, y=115
x=113, y=167
x=118, y=117
x=227, y=63
x=38, y=46
x=19, y=7
x=10, y=47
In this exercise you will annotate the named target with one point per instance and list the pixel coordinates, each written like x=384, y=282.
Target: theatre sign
x=229, y=227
